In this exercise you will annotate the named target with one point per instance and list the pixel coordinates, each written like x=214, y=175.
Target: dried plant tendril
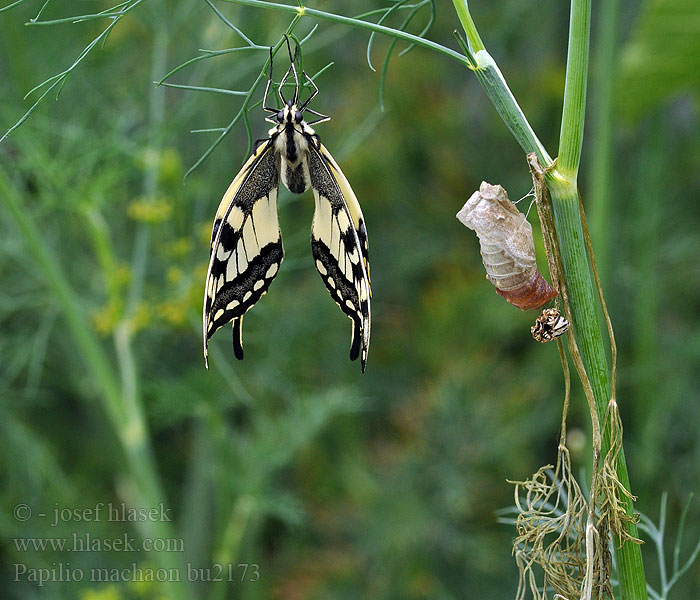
x=507, y=247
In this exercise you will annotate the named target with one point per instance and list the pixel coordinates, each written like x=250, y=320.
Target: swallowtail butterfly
x=246, y=245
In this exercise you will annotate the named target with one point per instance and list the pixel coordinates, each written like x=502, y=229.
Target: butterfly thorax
x=291, y=138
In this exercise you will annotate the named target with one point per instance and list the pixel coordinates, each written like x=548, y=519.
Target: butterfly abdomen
x=296, y=179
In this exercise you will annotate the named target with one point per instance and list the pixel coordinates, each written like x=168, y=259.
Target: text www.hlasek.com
x=88, y=543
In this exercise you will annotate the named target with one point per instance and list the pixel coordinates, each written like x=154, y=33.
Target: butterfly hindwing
x=340, y=247
x=246, y=246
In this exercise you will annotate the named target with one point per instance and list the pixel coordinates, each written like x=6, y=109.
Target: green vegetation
x=291, y=475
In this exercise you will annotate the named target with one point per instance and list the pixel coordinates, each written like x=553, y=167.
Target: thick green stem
x=589, y=337
x=584, y=307
x=574, y=112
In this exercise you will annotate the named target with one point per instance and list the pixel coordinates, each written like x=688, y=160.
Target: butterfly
x=246, y=244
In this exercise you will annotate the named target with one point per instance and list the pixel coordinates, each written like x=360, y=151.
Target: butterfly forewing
x=246, y=246
x=340, y=247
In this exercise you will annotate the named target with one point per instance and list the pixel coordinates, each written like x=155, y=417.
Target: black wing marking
x=246, y=246
x=340, y=247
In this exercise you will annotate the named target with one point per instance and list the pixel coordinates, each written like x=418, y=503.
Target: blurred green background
x=325, y=482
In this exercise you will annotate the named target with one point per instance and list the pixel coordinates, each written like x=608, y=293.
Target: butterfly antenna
x=292, y=60
x=284, y=80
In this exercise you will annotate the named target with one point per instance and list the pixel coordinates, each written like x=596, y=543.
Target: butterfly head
x=290, y=114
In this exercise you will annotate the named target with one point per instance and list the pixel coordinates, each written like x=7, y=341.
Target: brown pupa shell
x=507, y=247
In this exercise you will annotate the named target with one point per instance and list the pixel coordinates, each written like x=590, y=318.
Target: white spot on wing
x=241, y=259
x=271, y=271
x=321, y=268
x=322, y=220
x=265, y=220
x=247, y=296
x=230, y=272
x=250, y=238
x=235, y=217
x=222, y=254
x=343, y=221
x=258, y=284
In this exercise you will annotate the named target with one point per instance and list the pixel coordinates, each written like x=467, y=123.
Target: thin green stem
x=11, y=5
x=491, y=79
x=245, y=106
x=574, y=111
x=354, y=22
x=228, y=23
x=497, y=90
x=198, y=88
x=208, y=54
x=59, y=80
x=386, y=15
x=465, y=18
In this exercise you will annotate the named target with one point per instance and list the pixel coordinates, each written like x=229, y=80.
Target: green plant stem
x=127, y=420
x=589, y=337
x=565, y=206
x=497, y=90
x=465, y=18
x=574, y=112
x=562, y=184
x=354, y=22
x=600, y=181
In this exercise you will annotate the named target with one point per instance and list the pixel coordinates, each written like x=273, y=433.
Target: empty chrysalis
x=507, y=247
x=549, y=325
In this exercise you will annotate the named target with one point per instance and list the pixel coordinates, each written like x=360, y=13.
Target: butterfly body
x=246, y=245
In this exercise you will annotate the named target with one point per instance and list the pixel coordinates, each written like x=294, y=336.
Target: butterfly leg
x=267, y=88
